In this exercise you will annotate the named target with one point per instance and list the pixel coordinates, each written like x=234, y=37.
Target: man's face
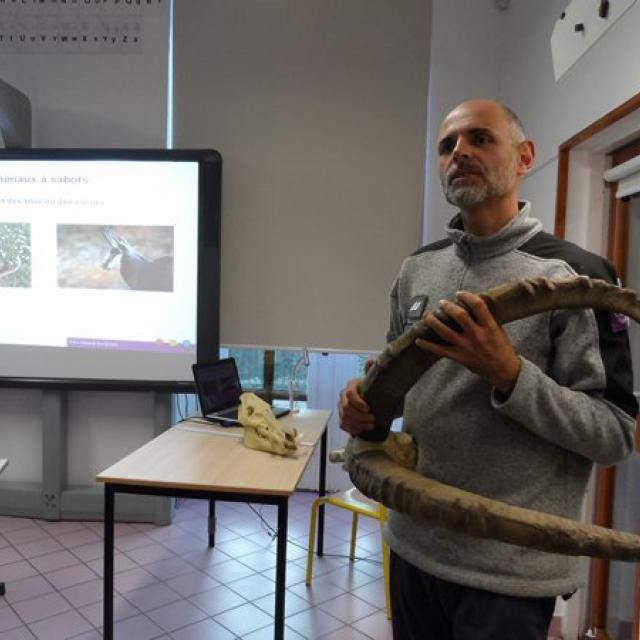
x=478, y=154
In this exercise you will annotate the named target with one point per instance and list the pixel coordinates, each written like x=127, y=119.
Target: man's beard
x=493, y=184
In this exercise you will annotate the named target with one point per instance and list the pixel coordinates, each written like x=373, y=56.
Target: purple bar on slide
x=131, y=345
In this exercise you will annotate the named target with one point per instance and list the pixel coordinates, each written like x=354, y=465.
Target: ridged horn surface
x=400, y=365
x=398, y=368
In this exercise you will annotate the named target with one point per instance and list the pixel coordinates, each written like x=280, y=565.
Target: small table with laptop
x=219, y=390
x=209, y=461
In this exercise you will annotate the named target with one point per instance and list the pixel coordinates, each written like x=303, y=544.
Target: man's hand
x=482, y=347
x=355, y=415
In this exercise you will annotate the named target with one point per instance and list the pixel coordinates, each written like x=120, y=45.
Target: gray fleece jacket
x=572, y=405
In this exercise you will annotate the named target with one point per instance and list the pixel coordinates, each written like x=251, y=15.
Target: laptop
x=218, y=386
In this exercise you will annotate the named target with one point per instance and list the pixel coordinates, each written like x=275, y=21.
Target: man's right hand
x=355, y=415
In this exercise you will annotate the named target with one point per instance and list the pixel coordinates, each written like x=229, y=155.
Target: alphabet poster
x=74, y=26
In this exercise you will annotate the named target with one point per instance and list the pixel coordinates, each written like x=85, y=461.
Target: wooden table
x=190, y=460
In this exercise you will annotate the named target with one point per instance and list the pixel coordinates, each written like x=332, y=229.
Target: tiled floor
x=170, y=585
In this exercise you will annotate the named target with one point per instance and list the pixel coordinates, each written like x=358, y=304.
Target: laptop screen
x=218, y=385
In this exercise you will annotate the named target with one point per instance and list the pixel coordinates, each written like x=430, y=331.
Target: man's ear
x=526, y=157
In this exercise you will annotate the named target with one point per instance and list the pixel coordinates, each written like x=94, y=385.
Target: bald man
x=518, y=414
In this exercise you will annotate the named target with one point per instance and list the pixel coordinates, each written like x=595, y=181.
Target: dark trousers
x=427, y=608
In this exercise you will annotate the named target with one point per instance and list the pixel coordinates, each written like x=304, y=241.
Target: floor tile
x=348, y=608
x=238, y=547
x=9, y=523
x=89, y=551
x=293, y=604
x=53, y=561
x=204, y=630
x=131, y=541
x=41, y=607
x=28, y=534
x=121, y=563
x=260, y=560
x=152, y=597
x=138, y=627
x=375, y=626
x=176, y=615
x=91, y=635
x=70, y=576
x=169, y=567
x=8, y=619
x=133, y=579
x=294, y=574
x=206, y=557
x=217, y=600
x=122, y=609
x=266, y=633
x=313, y=623
x=19, y=633
x=78, y=538
x=85, y=593
x=348, y=577
x=253, y=587
x=188, y=584
x=60, y=627
x=9, y=555
x=27, y=588
x=150, y=553
x=169, y=585
x=226, y=572
x=244, y=619
x=185, y=544
x=345, y=633
x=38, y=547
x=373, y=592
x=320, y=591
x=58, y=527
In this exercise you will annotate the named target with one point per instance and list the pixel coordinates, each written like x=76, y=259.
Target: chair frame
x=359, y=505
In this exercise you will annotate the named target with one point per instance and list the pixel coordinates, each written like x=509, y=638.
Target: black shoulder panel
x=614, y=346
x=546, y=245
x=434, y=246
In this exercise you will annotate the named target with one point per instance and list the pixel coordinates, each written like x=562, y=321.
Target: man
x=518, y=414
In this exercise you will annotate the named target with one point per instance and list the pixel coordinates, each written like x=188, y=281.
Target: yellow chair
x=359, y=505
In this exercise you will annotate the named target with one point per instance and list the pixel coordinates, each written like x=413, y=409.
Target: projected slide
x=99, y=255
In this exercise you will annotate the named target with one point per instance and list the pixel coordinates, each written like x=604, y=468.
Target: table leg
x=281, y=568
x=108, y=562
x=212, y=522
x=322, y=490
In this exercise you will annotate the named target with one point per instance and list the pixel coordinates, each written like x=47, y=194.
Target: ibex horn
x=396, y=371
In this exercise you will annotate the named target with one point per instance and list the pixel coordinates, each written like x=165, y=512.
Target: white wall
x=93, y=99
x=554, y=111
x=465, y=56
x=97, y=98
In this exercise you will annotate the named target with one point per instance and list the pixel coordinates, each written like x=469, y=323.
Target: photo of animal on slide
x=15, y=254
x=115, y=257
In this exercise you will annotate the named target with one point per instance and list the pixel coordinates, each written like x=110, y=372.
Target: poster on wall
x=74, y=26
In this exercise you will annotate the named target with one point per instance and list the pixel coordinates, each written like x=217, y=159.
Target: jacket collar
x=514, y=234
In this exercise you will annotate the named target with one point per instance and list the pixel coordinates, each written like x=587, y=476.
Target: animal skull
x=261, y=429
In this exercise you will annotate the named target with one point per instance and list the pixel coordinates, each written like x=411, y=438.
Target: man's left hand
x=482, y=346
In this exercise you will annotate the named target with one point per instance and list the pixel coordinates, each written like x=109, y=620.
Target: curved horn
x=373, y=471
x=400, y=365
